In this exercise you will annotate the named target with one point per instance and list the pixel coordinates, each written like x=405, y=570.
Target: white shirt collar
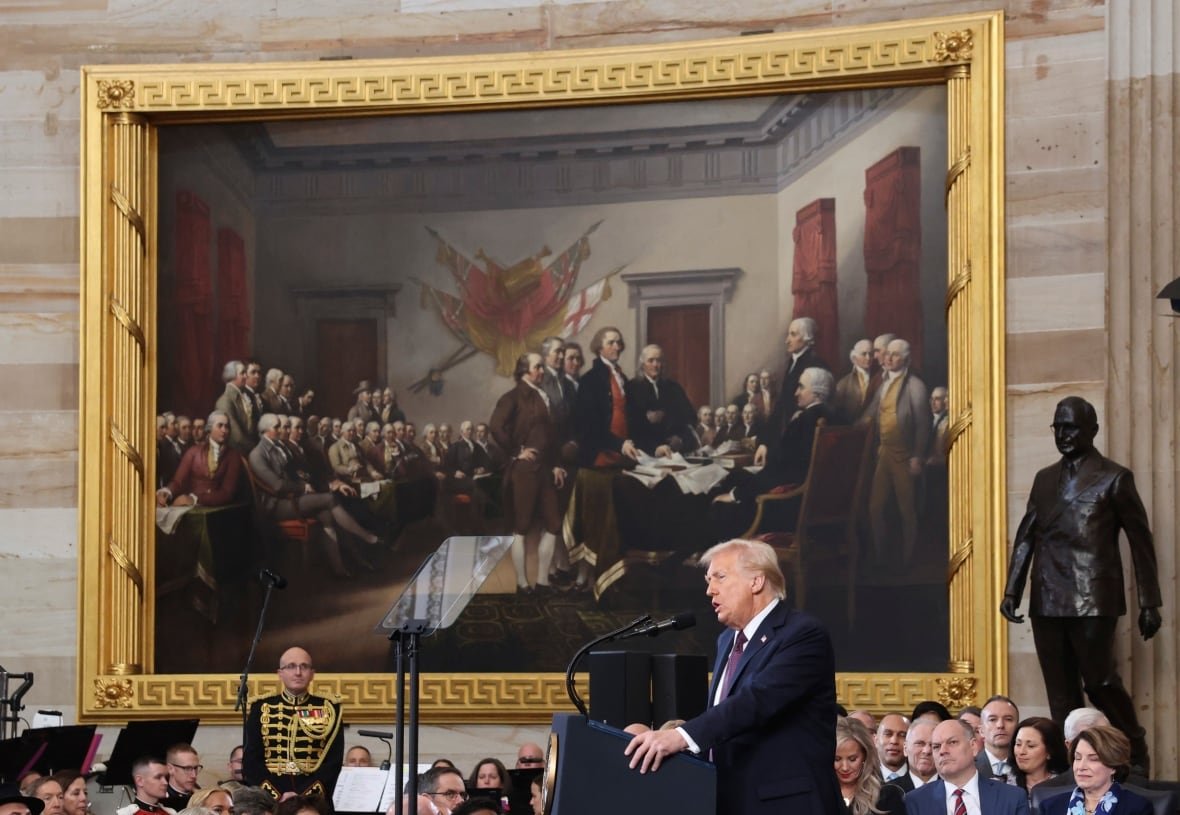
x=752, y=627
x=971, y=788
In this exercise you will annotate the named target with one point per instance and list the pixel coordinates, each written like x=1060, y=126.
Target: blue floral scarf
x=1077, y=801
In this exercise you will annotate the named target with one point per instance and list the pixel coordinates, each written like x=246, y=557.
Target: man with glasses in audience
x=235, y=764
x=443, y=787
x=294, y=740
x=184, y=765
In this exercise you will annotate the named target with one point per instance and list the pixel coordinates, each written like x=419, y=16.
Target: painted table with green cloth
x=208, y=548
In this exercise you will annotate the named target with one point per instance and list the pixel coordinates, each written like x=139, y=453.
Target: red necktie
x=735, y=656
x=960, y=807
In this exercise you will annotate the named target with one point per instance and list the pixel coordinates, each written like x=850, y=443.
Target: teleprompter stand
x=433, y=599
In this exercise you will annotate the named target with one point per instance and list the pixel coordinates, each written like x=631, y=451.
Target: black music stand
x=433, y=599
x=138, y=739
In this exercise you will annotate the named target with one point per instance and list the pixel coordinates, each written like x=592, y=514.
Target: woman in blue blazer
x=1100, y=755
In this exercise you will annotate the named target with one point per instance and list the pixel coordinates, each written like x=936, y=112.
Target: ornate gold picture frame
x=123, y=109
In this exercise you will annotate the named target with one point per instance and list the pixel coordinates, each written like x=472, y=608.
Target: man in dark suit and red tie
x=959, y=788
x=769, y=726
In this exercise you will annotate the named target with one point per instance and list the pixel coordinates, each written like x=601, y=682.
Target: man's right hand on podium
x=647, y=750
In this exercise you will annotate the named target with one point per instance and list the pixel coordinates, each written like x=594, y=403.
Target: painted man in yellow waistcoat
x=901, y=411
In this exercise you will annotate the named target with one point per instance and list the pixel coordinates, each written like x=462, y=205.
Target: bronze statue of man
x=1070, y=538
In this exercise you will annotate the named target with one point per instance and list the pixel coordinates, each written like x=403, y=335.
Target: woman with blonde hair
x=858, y=771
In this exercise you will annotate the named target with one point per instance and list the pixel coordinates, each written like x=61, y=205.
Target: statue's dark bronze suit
x=1069, y=542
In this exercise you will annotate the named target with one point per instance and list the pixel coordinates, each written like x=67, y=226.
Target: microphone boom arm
x=572, y=668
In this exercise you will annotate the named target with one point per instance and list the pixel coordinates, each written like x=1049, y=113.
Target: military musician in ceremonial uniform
x=294, y=741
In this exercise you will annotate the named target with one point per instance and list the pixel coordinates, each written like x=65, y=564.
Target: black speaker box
x=620, y=687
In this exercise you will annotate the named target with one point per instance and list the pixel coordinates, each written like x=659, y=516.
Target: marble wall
x=1090, y=129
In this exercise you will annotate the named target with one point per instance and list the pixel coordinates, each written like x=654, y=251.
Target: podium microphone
x=267, y=577
x=653, y=628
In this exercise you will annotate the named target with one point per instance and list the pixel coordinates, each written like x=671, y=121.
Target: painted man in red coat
x=209, y=474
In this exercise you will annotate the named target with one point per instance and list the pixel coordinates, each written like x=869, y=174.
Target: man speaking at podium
x=770, y=726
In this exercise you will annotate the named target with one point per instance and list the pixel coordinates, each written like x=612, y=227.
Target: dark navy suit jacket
x=773, y=737
x=995, y=798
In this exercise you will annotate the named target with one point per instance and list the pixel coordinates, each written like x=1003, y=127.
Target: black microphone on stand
x=269, y=578
x=653, y=628
x=385, y=737
x=643, y=625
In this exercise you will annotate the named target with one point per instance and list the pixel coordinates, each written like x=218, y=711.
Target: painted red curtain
x=813, y=277
x=893, y=249
x=233, y=297
x=193, y=374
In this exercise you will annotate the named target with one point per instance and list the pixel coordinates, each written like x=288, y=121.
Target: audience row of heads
x=932, y=742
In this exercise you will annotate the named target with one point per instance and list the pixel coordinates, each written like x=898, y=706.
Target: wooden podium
x=586, y=773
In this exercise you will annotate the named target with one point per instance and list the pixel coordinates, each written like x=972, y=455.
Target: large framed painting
x=326, y=274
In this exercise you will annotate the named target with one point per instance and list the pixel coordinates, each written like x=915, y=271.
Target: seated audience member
x=443, y=787
x=49, y=792
x=443, y=762
x=1039, y=750
x=75, y=797
x=210, y=472
x=890, y=743
x=865, y=718
x=15, y=802
x=530, y=756
x=959, y=781
x=253, y=801
x=932, y=711
x=536, y=800
x=358, y=756
x=490, y=774
x=184, y=765
x=1101, y=756
x=235, y=764
x=919, y=757
x=304, y=805
x=150, y=777
x=477, y=806
x=856, y=769
x=214, y=799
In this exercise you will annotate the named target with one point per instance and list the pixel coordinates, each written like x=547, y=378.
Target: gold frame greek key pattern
x=123, y=108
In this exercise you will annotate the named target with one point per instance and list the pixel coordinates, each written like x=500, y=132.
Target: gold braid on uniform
x=296, y=733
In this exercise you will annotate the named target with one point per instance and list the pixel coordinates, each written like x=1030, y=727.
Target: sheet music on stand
x=367, y=789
